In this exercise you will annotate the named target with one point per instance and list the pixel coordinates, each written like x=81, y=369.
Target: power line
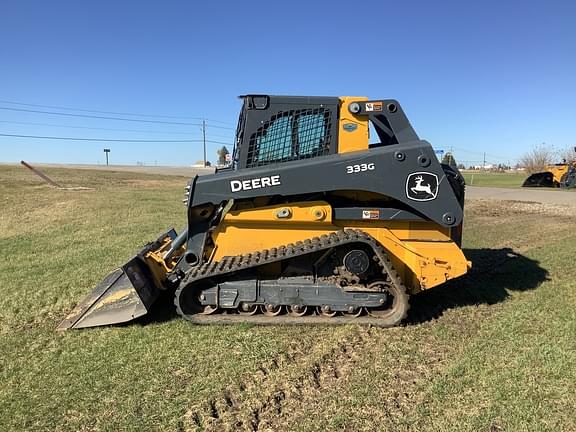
x=219, y=121
x=111, y=112
x=112, y=118
x=482, y=153
x=109, y=140
x=223, y=136
x=98, y=111
x=100, y=117
x=104, y=129
x=219, y=127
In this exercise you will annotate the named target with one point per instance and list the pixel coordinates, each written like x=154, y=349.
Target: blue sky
x=492, y=76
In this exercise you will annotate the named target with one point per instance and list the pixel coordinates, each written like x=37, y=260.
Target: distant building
x=484, y=167
x=200, y=164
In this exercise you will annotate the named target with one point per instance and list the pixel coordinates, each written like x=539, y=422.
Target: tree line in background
x=536, y=160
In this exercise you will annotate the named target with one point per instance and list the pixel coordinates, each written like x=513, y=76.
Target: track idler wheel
x=192, y=303
x=325, y=311
x=394, y=308
x=248, y=309
x=353, y=312
x=271, y=310
x=297, y=310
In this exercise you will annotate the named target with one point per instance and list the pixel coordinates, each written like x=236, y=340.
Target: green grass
x=494, y=179
x=493, y=351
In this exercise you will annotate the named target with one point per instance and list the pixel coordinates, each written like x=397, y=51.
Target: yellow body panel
x=352, y=129
x=158, y=265
x=558, y=171
x=422, y=252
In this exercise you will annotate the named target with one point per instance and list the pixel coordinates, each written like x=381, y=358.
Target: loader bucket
x=125, y=294
x=542, y=179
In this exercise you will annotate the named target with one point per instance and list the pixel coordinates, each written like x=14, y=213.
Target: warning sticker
x=373, y=106
x=370, y=214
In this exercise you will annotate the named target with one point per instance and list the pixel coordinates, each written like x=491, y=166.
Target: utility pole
x=204, y=139
x=484, y=163
x=106, y=151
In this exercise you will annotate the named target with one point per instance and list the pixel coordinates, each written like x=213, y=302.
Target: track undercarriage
x=336, y=278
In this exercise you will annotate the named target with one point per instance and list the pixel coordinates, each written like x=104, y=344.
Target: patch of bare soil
x=539, y=223
x=503, y=209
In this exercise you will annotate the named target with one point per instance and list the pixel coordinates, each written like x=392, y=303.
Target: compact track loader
x=562, y=175
x=311, y=223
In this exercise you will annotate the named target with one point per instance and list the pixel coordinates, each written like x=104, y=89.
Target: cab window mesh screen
x=290, y=135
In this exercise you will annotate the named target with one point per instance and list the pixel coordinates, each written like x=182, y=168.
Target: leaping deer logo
x=420, y=187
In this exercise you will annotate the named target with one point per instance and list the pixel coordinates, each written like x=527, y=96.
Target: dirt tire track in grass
x=278, y=391
x=399, y=389
x=258, y=399
x=330, y=376
x=322, y=376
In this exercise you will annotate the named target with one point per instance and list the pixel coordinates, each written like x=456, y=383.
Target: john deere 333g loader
x=561, y=175
x=311, y=223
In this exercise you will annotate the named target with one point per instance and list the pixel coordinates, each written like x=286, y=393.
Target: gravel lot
x=544, y=196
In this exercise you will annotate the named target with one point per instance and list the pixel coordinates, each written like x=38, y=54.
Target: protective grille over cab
x=291, y=135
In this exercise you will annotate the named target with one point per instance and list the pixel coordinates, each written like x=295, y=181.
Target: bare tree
x=448, y=159
x=538, y=158
x=568, y=154
x=222, y=153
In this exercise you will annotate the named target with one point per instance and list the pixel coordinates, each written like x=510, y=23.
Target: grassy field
x=493, y=351
x=494, y=179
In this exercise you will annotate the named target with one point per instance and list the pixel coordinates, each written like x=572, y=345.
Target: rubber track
x=233, y=264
